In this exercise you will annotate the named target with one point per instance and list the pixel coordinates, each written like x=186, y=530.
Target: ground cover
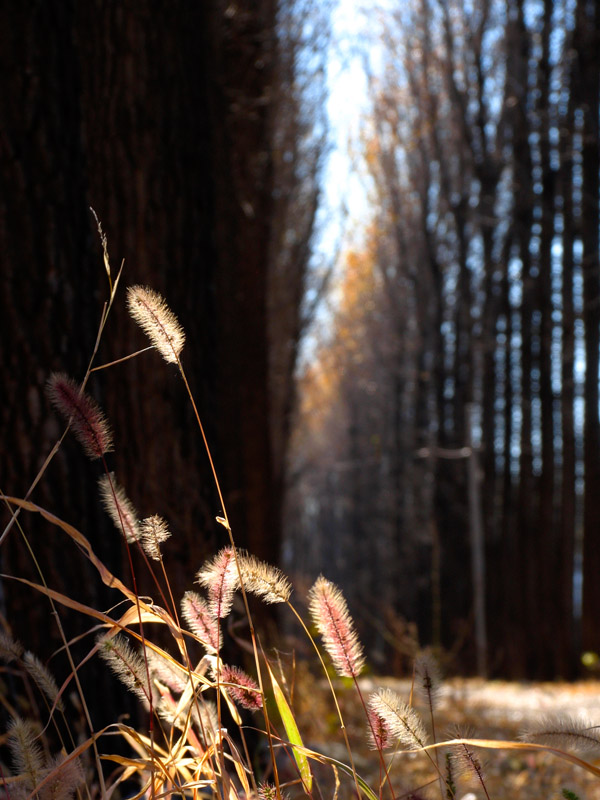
x=482, y=709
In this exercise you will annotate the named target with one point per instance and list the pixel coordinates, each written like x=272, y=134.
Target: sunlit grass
x=199, y=710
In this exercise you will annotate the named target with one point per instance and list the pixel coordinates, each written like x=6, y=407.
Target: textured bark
x=587, y=41
x=547, y=645
x=568, y=642
x=159, y=116
x=522, y=575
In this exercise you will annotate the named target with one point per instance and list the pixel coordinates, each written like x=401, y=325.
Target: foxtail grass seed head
x=10, y=648
x=243, y=689
x=379, y=734
x=43, y=678
x=196, y=612
x=159, y=323
x=467, y=763
x=332, y=619
x=167, y=710
x=567, y=732
x=206, y=720
x=119, y=508
x=87, y=421
x=219, y=576
x=450, y=775
x=66, y=776
x=267, y=791
x=27, y=755
x=263, y=580
x=163, y=669
x=403, y=721
x=427, y=679
x=127, y=665
x=154, y=531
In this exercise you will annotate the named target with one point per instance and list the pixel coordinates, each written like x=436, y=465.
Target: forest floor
x=478, y=709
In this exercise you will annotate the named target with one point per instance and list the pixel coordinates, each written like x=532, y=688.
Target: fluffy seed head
x=567, y=732
x=127, y=665
x=168, y=710
x=159, y=323
x=166, y=673
x=154, y=531
x=197, y=614
x=83, y=414
x=204, y=714
x=332, y=619
x=464, y=760
x=42, y=677
x=119, y=508
x=220, y=577
x=403, y=721
x=244, y=689
x=9, y=648
x=427, y=679
x=65, y=775
x=263, y=580
x=27, y=756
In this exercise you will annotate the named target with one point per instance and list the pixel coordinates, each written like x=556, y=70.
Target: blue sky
x=344, y=187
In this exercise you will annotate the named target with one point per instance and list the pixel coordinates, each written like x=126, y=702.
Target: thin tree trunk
x=567, y=662
x=587, y=42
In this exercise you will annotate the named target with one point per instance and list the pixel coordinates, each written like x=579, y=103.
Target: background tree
x=482, y=149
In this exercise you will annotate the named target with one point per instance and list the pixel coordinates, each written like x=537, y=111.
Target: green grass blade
x=293, y=734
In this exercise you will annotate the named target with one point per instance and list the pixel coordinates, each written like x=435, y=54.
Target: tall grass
x=199, y=708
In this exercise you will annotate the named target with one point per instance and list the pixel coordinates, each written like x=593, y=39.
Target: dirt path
x=491, y=710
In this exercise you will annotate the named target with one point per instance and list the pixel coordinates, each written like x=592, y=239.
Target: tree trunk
x=587, y=42
x=158, y=116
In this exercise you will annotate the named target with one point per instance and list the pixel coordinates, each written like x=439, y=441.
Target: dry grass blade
x=105, y=574
x=501, y=744
x=156, y=613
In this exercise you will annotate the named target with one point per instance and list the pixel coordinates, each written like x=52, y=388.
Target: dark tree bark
x=546, y=533
x=161, y=118
x=587, y=43
x=568, y=642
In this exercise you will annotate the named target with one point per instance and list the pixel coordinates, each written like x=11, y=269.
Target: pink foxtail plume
x=244, y=690
x=84, y=415
x=379, y=732
x=220, y=577
x=201, y=622
x=332, y=619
